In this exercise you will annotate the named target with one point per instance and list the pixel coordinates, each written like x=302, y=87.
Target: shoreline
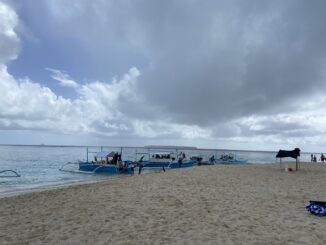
x=50, y=186
x=14, y=193
x=47, y=187
x=112, y=177
x=220, y=204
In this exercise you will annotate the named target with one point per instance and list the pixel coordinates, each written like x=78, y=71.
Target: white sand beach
x=221, y=204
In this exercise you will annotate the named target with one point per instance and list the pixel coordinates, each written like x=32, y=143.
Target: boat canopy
x=162, y=153
x=106, y=154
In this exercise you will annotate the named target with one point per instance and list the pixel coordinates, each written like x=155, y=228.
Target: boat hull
x=204, y=163
x=105, y=169
x=230, y=161
x=150, y=164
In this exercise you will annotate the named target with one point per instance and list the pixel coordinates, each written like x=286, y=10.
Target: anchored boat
x=105, y=163
x=229, y=158
x=166, y=160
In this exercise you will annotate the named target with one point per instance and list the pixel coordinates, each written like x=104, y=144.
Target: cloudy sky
x=213, y=74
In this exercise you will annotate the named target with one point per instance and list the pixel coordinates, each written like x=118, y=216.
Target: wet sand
x=221, y=204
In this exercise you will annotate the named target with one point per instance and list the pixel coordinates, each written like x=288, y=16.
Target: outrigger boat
x=9, y=173
x=166, y=160
x=112, y=164
x=227, y=159
x=104, y=163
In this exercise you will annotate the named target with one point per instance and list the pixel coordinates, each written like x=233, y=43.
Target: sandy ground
x=221, y=204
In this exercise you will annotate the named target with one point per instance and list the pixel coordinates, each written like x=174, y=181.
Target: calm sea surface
x=39, y=165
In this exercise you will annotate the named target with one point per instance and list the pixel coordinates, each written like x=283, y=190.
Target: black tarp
x=294, y=153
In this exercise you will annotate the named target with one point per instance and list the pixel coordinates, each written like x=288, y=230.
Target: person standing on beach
x=182, y=156
x=311, y=158
x=322, y=157
x=315, y=158
x=140, y=168
x=132, y=168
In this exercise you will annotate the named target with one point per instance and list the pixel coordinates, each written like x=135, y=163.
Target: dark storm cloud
x=221, y=61
x=204, y=63
x=278, y=128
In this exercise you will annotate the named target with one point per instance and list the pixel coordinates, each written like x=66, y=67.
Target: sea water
x=39, y=166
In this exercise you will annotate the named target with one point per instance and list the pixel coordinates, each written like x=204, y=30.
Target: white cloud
x=29, y=105
x=63, y=78
x=9, y=41
x=25, y=104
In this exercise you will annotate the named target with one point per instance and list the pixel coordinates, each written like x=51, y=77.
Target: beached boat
x=229, y=158
x=166, y=160
x=104, y=163
x=110, y=163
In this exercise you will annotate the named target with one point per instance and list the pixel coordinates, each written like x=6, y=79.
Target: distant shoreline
x=145, y=147
x=150, y=147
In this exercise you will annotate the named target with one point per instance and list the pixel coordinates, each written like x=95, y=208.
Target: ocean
x=39, y=166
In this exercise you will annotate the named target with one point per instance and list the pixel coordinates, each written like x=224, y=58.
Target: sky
x=226, y=74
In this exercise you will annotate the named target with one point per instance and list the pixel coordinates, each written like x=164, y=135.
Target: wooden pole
x=281, y=163
x=87, y=154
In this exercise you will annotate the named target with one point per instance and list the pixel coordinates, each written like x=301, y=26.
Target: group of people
x=109, y=160
x=163, y=156
x=313, y=158
x=226, y=157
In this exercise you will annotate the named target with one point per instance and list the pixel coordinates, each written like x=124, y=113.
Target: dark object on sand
x=317, y=208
